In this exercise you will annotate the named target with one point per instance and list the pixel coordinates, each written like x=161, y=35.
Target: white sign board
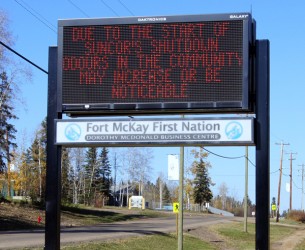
x=225, y=131
x=173, y=167
x=136, y=201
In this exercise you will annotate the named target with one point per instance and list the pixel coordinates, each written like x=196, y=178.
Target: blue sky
x=281, y=22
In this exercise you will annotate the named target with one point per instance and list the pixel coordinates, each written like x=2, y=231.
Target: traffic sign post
x=176, y=211
x=176, y=207
x=53, y=172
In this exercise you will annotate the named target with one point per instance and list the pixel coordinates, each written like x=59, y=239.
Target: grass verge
x=160, y=242
x=238, y=239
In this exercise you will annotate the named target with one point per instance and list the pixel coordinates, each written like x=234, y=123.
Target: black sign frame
x=244, y=104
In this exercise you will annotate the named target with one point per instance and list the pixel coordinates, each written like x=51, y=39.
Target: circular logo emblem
x=234, y=130
x=73, y=132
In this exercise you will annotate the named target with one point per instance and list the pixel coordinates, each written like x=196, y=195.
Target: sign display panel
x=173, y=167
x=156, y=64
x=155, y=132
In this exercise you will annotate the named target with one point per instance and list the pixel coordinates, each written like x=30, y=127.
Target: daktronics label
x=199, y=62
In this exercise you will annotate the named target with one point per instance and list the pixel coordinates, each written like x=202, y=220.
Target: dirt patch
x=14, y=216
x=208, y=235
x=289, y=242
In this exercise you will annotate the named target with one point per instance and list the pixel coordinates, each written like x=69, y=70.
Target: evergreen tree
x=7, y=130
x=104, y=181
x=36, y=172
x=66, y=179
x=32, y=174
x=10, y=71
x=42, y=161
x=43, y=138
x=202, y=192
x=166, y=194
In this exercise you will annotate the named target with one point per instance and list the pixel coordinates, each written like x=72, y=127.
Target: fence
x=169, y=207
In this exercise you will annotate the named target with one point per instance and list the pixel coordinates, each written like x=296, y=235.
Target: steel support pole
x=262, y=136
x=246, y=191
x=180, y=221
x=53, y=174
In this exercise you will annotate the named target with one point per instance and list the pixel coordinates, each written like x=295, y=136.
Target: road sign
x=176, y=207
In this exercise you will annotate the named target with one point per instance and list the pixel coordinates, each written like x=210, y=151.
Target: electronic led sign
x=197, y=63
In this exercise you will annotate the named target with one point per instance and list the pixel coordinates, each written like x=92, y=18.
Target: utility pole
x=290, y=200
x=280, y=181
x=302, y=207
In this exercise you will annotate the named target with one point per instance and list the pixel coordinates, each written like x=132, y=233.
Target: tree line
x=90, y=176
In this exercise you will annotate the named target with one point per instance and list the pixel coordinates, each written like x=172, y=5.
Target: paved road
x=21, y=239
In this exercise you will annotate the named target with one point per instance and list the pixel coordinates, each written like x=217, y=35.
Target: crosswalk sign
x=176, y=207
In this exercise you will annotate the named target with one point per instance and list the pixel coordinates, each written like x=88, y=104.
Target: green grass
x=237, y=238
x=160, y=242
x=235, y=235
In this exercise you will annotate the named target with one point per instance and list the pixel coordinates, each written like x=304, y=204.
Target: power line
x=24, y=58
x=274, y=171
x=110, y=8
x=221, y=156
x=296, y=185
x=287, y=175
x=250, y=161
x=83, y=12
x=39, y=17
x=231, y=158
x=126, y=7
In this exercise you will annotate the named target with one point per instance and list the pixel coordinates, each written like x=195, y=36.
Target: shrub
x=296, y=215
x=238, y=211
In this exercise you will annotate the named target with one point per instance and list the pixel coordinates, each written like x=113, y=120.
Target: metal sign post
x=53, y=174
x=262, y=144
x=180, y=215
